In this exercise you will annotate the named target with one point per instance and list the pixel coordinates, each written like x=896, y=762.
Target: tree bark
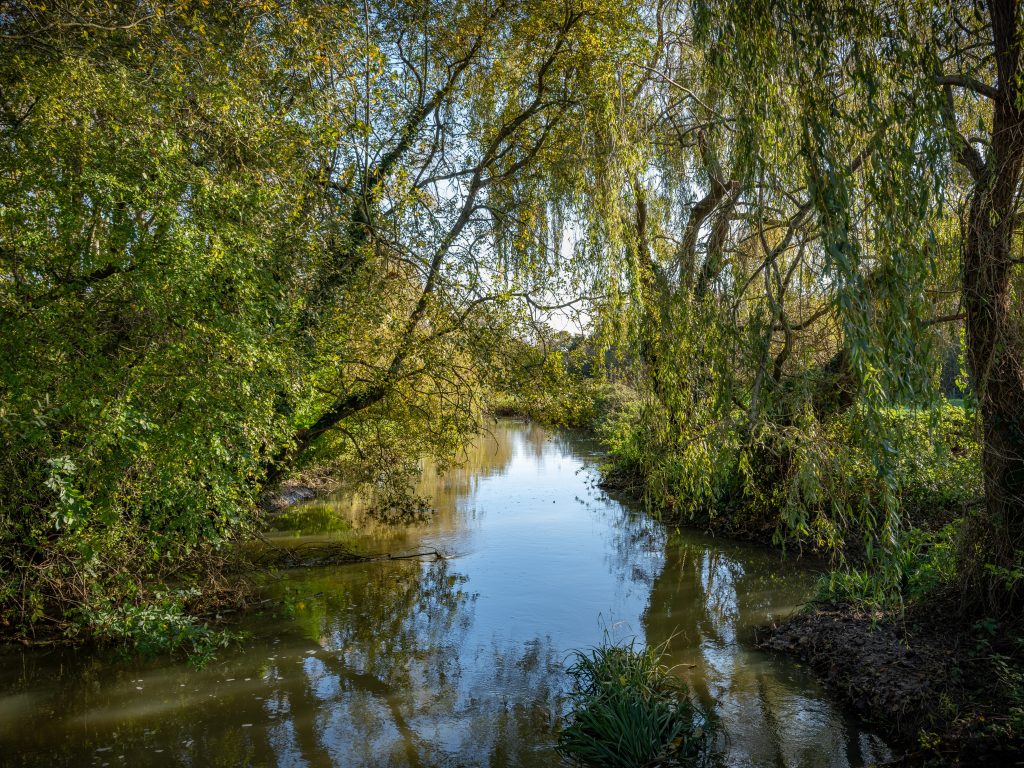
x=994, y=345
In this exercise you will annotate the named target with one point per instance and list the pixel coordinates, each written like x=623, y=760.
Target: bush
x=629, y=710
x=572, y=401
x=159, y=625
x=816, y=484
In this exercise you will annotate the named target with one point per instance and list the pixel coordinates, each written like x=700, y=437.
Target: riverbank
x=940, y=686
x=305, y=486
x=944, y=681
x=943, y=688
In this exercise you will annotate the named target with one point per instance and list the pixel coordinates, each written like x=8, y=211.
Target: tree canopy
x=242, y=238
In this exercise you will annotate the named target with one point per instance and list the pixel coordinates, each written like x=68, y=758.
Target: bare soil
x=932, y=681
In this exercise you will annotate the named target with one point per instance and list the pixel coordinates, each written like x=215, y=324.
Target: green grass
x=630, y=710
x=917, y=564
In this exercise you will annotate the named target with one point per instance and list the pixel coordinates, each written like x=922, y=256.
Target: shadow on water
x=456, y=662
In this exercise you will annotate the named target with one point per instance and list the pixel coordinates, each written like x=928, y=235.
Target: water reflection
x=705, y=603
x=451, y=662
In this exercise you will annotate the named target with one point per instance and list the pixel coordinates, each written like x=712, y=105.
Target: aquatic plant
x=629, y=709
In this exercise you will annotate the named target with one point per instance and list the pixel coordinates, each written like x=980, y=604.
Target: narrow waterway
x=454, y=662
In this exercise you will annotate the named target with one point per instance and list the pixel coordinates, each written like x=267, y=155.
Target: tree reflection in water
x=706, y=603
x=453, y=662
x=391, y=684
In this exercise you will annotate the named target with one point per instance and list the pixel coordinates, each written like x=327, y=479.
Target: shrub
x=817, y=484
x=569, y=401
x=161, y=624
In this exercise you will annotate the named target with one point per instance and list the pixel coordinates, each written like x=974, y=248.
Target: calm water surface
x=455, y=662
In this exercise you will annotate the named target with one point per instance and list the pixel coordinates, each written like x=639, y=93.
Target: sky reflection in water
x=456, y=662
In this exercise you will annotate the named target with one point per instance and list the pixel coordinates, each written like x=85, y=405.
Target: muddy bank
x=930, y=681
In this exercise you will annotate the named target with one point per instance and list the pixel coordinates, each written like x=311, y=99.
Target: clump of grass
x=629, y=710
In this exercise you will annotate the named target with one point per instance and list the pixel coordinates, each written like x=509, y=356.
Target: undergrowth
x=160, y=625
x=577, y=402
x=815, y=489
x=918, y=564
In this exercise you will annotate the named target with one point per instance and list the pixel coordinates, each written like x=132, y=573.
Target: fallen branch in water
x=316, y=554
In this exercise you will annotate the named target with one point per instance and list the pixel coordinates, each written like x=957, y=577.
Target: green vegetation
x=243, y=240
x=830, y=484
x=160, y=625
x=239, y=239
x=920, y=565
x=562, y=381
x=629, y=709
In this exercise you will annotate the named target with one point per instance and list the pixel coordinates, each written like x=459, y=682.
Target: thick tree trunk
x=997, y=359
x=994, y=343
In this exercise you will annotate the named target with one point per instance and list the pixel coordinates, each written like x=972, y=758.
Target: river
x=457, y=661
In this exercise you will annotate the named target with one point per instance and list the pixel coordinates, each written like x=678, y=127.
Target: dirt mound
x=874, y=664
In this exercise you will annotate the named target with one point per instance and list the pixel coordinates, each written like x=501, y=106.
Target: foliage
x=917, y=566
x=894, y=121
x=812, y=215
x=1007, y=664
x=159, y=625
x=628, y=710
x=241, y=238
x=562, y=380
x=237, y=239
x=150, y=215
x=569, y=401
x=829, y=485
x=835, y=486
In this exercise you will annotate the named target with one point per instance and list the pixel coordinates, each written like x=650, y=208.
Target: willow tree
x=736, y=312
x=472, y=118
x=991, y=73
x=906, y=87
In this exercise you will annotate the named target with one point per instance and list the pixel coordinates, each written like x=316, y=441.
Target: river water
x=453, y=662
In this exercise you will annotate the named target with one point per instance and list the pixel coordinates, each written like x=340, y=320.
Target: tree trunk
x=339, y=410
x=994, y=344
